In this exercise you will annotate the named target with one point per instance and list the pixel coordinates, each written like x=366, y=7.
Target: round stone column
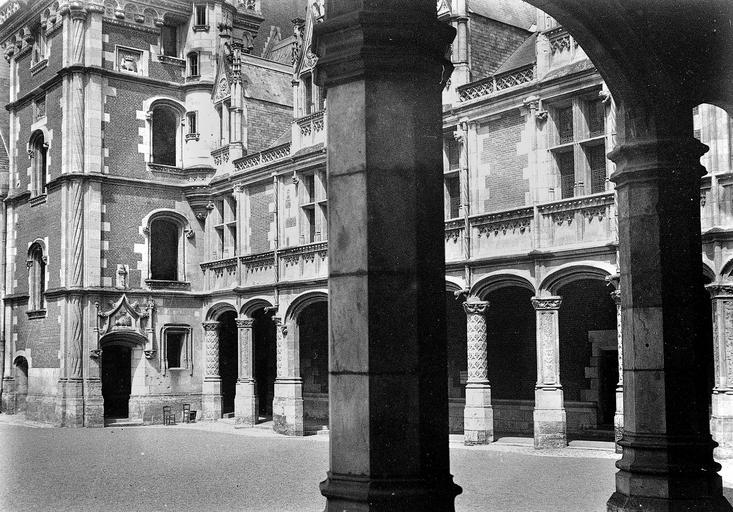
x=245, y=401
x=478, y=416
x=211, y=391
x=550, y=422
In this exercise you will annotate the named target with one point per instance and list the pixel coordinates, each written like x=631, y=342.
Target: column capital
x=616, y=296
x=720, y=290
x=477, y=307
x=210, y=325
x=383, y=41
x=546, y=303
x=245, y=323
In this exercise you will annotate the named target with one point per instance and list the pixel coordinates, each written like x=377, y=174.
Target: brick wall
x=39, y=335
x=266, y=122
x=490, y=44
x=501, y=169
x=28, y=81
x=260, y=217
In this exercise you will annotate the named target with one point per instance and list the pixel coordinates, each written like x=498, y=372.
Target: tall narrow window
x=174, y=349
x=597, y=162
x=192, y=121
x=36, y=277
x=566, y=166
x=453, y=200
x=164, y=237
x=38, y=52
x=38, y=153
x=193, y=64
x=565, y=125
x=307, y=95
x=454, y=153
x=165, y=127
x=169, y=40
x=200, y=15
x=596, y=118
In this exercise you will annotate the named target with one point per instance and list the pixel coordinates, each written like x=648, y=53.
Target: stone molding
x=546, y=303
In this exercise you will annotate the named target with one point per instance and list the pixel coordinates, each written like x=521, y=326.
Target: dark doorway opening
x=228, y=368
x=313, y=343
x=265, y=346
x=116, y=381
x=608, y=383
x=457, y=360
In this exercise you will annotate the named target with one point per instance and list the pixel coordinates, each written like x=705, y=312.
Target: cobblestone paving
x=211, y=467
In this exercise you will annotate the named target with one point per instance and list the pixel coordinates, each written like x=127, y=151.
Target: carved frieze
x=211, y=345
x=132, y=320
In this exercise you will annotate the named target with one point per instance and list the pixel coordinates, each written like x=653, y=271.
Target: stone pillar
x=245, y=400
x=721, y=420
x=287, y=405
x=383, y=64
x=667, y=461
x=618, y=416
x=478, y=416
x=211, y=399
x=550, y=422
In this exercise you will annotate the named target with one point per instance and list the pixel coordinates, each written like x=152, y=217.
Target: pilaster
x=245, y=400
x=287, y=405
x=550, y=421
x=478, y=415
x=721, y=419
x=211, y=399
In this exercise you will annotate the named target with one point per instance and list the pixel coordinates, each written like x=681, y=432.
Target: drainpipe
x=276, y=264
x=4, y=186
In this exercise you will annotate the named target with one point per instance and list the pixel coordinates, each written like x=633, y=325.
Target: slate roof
x=512, y=12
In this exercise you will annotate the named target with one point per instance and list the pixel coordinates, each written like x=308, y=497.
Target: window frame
x=200, y=24
x=37, y=263
x=164, y=49
x=38, y=153
x=183, y=233
x=186, y=354
x=179, y=112
x=193, y=65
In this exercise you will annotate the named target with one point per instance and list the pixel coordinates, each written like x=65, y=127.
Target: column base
x=287, y=408
x=618, y=430
x=246, y=404
x=70, y=403
x=621, y=503
x=94, y=404
x=478, y=415
x=211, y=400
x=363, y=494
x=550, y=428
x=721, y=424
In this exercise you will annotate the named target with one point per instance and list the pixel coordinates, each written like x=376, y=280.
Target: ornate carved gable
x=223, y=79
x=125, y=317
x=443, y=8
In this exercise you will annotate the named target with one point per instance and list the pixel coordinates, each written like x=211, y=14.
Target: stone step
x=123, y=422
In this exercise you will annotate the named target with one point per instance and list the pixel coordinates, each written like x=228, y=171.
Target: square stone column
x=211, y=392
x=721, y=420
x=287, y=404
x=550, y=421
x=478, y=415
x=245, y=400
x=667, y=462
x=384, y=65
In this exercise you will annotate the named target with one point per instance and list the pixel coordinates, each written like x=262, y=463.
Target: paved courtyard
x=214, y=468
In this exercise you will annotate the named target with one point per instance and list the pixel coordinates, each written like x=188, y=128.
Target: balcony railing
x=263, y=157
x=496, y=83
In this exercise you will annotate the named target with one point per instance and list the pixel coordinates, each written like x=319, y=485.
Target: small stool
x=186, y=413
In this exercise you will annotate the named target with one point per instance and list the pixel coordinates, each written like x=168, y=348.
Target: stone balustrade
x=309, y=131
x=262, y=158
x=494, y=84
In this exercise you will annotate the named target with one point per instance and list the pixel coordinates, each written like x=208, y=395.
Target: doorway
x=21, y=383
x=116, y=381
x=265, y=352
x=228, y=367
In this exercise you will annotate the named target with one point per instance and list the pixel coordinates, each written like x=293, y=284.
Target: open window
x=167, y=232
x=169, y=40
x=193, y=65
x=36, y=264
x=38, y=150
x=177, y=353
x=165, y=119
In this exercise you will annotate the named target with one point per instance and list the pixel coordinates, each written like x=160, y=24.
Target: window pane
x=597, y=163
x=164, y=250
x=169, y=40
x=164, y=136
x=193, y=64
x=200, y=15
x=566, y=166
x=174, y=349
x=453, y=188
x=596, y=118
x=454, y=154
x=565, y=125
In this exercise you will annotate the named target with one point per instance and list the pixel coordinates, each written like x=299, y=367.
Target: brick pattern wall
x=490, y=44
x=39, y=337
x=261, y=202
x=26, y=81
x=501, y=168
x=266, y=122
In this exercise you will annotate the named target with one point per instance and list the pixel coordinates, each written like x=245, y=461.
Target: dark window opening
x=169, y=40
x=174, y=349
x=192, y=128
x=453, y=187
x=454, y=154
x=200, y=15
x=596, y=118
x=39, y=150
x=164, y=250
x=164, y=136
x=565, y=125
x=597, y=163
x=193, y=64
x=37, y=277
x=308, y=92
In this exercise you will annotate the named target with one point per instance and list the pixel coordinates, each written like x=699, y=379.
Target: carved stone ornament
x=546, y=303
x=245, y=323
x=475, y=307
x=127, y=319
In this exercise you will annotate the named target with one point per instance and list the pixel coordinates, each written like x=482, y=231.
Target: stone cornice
x=651, y=159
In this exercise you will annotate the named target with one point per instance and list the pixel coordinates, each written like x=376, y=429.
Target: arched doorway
x=512, y=359
x=21, y=383
x=228, y=368
x=116, y=380
x=457, y=360
x=313, y=344
x=265, y=364
x=588, y=357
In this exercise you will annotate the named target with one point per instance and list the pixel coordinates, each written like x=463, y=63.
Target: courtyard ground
x=212, y=467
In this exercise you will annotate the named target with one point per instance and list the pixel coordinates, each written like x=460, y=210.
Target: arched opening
x=36, y=277
x=165, y=130
x=457, y=360
x=38, y=153
x=588, y=357
x=313, y=345
x=265, y=364
x=512, y=359
x=21, y=383
x=164, y=240
x=116, y=380
x=228, y=367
